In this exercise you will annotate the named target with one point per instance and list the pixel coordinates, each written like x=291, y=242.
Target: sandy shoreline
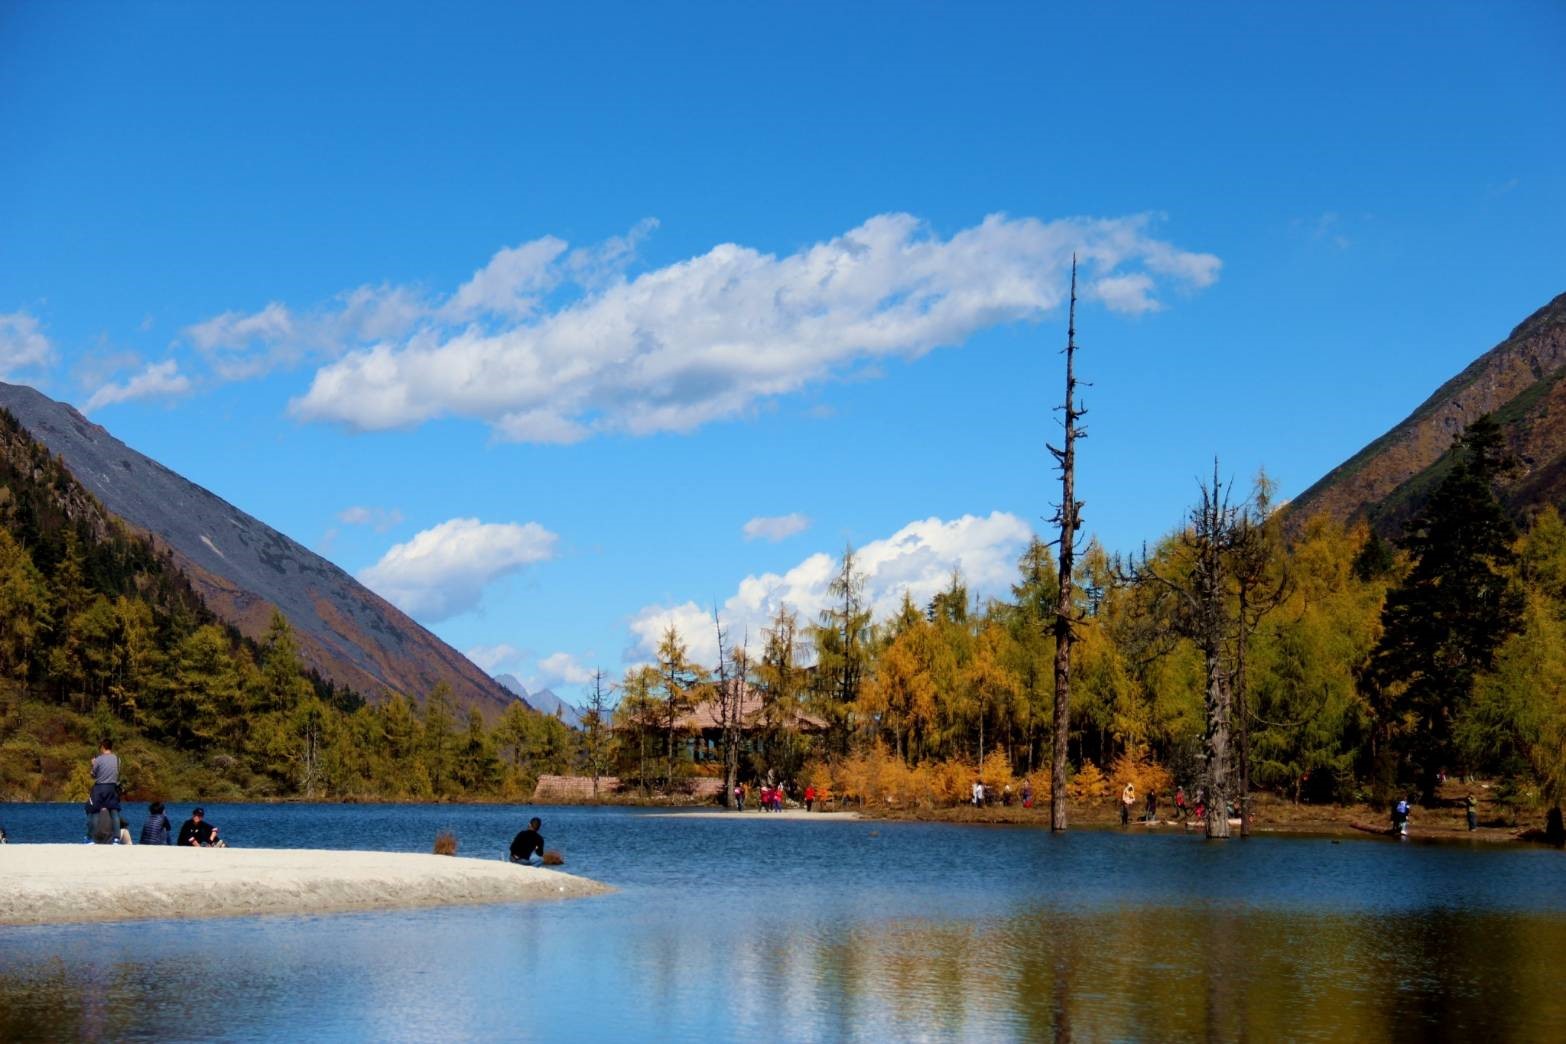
x=758, y=816
x=57, y=884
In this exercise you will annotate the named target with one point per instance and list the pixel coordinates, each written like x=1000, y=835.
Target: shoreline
x=758, y=816
x=73, y=883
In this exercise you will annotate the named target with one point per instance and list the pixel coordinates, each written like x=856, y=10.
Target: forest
x=1346, y=668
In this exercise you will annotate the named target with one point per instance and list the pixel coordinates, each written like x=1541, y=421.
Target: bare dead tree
x=729, y=706
x=1069, y=517
x=1201, y=612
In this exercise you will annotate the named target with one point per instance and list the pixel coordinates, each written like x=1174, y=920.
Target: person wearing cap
x=196, y=831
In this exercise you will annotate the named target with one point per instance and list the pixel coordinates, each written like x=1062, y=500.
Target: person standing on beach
x=105, y=793
x=1472, y=807
x=1152, y=806
x=528, y=846
x=1127, y=799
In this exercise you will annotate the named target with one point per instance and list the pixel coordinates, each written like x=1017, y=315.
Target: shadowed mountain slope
x=1519, y=382
x=242, y=568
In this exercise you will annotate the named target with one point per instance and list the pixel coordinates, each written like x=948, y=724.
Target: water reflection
x=779, y=931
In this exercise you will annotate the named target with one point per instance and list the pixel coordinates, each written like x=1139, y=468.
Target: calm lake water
x=786, y=930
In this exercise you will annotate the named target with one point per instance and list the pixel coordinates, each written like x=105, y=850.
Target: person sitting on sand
x=157, y=830
x=528, y=846
x=196, y=832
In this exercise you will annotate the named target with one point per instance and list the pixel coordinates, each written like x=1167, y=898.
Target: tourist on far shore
x=1127, y=799
x=1472, y=806
x=978, y=794
x=196, y=832
x=739, y=797
x=528, y=846
x=1027, y=793
x=810, y=797
x=1179, y=803
x=157, y=830
x=1152, y=806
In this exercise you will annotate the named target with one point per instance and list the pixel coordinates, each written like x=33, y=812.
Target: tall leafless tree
x=1199, y=586
x=729, y=703
x=1069, y=517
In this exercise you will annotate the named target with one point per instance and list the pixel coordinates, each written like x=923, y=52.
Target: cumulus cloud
x=22, y=344
x=917, y=559
x=443, y=571
x=490, y=658
x=715, y=335
x=158, y=380
x=562, y=668
x=378, y=519
x=775, y=527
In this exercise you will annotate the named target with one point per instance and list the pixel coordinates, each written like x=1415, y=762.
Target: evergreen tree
x=1443, y=623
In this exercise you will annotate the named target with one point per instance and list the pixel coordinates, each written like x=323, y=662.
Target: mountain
x=1519, y=382
x=544, y=701
x=243, y=569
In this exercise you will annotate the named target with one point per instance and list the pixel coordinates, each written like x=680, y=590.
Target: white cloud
x=158, y=380
x=918, y=559
x=716, y=335
x=510, y=284
x=378, y=519
x=491, y=658
x=775, y=527
x=443, y=571
x=561, y=668
x=239, y=346
x=22, y=344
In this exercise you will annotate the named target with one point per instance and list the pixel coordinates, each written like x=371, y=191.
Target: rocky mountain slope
x=243, y=568
x=1519, y=382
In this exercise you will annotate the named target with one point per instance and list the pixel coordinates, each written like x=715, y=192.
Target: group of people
x=770, y=797
x=981, y=795
x=106, y=823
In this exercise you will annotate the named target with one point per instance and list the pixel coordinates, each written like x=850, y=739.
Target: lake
x=786, y=930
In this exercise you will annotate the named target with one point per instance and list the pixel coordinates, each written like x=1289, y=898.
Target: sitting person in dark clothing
x=528, y=846
x=196, y=831
x=157, y=830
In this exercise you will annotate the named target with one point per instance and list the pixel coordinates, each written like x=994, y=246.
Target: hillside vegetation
x=100, y=635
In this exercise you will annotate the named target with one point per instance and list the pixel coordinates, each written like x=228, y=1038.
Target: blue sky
x=558, y=324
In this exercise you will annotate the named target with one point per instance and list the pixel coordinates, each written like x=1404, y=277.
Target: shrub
x=446, y=843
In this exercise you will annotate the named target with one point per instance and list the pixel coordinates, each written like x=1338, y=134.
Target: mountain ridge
x=243, y=568
x=1518, y=381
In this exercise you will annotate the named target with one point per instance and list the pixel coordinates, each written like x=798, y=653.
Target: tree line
x=1318, y=663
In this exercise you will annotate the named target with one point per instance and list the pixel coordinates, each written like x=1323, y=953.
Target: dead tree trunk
x=1069, y=516
x=728, y=707
x=1201, y=612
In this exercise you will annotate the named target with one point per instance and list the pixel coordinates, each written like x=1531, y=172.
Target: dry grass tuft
x=446, y=843
x=553, y=858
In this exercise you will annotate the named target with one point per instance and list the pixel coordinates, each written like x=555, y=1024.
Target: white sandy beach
x=49, y=884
